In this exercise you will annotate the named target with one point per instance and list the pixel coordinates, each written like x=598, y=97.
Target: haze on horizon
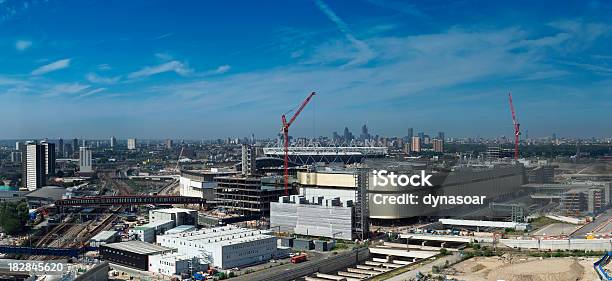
x=93, y=69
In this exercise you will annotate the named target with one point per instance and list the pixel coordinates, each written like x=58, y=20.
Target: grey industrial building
x=315, y=217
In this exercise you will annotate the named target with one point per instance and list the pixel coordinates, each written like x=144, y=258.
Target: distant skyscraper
x=113, y=141
x=415, y=145
x=441, y=136
x=60, y=148
x=75, y=145
x=438, y=145
x=85, y=160
x=131, y=144
x=169, y=144
x=410, y=134
x=34, y=175
x=421, y=135
x=365, y=135
x=49, y=158
x=348, y=136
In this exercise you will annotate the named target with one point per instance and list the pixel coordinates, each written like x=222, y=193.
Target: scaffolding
x=362, y=212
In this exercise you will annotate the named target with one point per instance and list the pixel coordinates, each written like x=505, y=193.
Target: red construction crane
x=285, y=132
x=517, y=130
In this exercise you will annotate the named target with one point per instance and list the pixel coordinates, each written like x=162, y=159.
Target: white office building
x=85, y=160
x=172, y=264
x=34, y=166
x=224, y=247
x=131, y=144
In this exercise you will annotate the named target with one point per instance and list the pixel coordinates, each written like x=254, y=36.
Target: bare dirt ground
x=524, y=269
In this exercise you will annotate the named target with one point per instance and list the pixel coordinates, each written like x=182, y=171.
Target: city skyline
x=209, y=70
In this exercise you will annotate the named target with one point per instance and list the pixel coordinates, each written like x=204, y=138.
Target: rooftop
x=173, y=210
x=104, y=235
x=152, y=224
x=226, y=235
x=138, y=247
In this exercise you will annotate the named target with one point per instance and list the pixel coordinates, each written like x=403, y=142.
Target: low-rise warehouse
x=224, y=247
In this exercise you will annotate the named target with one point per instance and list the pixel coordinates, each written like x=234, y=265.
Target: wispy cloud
x=364, y=53
x=22, y=45
x=66, y=88
x=175, y=66
x=95, y=78
x=92, y=92
x=104, y=67
x=165, y=35
x=54, y=66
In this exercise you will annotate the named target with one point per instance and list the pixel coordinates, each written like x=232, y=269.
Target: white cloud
x=92, y=92
x=22, y=45
x=104, y=67
x=222, y=69
x=364, y=53
x=178, y=67
x=95, y=78
x=57, y=65
x=66, y=88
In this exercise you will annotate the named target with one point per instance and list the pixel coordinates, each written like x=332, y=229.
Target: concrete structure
x=85, y=160
x=541, y=174
x=560, y=244
x=225, y=247
x=248, y=195
x=201, y=183
x=248, y=160
x=317, y=217
x=131, y=144
x=168, y=144
x=134, y=254
x=34, y=175
x=113, y=142
x=172, y=264
x=178, y=215
x=104, y=237
x=490, y=224
x=147, y=232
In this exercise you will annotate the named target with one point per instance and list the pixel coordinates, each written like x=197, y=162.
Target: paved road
x=455, y=257
x=602, y=224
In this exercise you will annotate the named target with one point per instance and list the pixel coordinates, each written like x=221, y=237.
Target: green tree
x=14, y=217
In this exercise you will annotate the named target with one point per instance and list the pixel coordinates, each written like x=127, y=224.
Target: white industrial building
x=316, y=217
x=224, y=247
x=147, y=232
x=171, y=264
x=104, y=237
x=178, y=215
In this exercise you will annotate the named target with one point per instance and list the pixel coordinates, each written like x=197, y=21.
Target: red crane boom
x=285, y=131
x=517, y=127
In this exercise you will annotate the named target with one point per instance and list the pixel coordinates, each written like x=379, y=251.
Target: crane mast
x=285, y=132
x=517, y=126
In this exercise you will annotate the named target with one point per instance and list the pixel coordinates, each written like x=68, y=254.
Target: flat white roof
x=496, y=224
x=104, y=235
x=226, y=235
x=152, y=224
x=173, y=210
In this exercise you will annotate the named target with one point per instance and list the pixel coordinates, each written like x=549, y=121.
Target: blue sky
x=193, y=69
